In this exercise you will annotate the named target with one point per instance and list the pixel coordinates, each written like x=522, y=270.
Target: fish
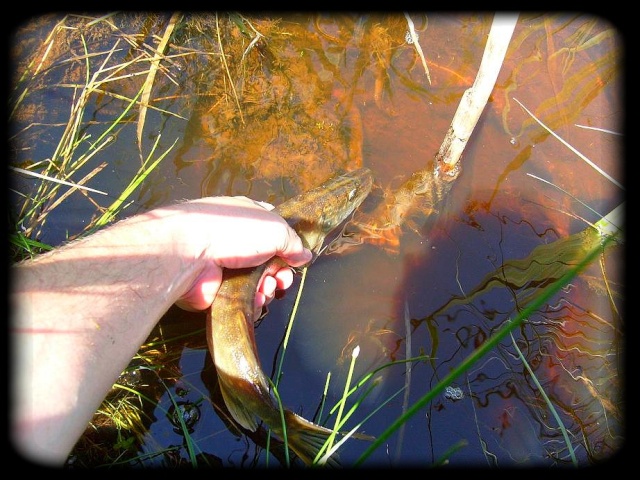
x=313, y=214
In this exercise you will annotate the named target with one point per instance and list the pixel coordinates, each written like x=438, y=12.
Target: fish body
x=230, y=326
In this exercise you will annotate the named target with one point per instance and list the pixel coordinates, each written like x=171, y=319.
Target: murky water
x=270, y=106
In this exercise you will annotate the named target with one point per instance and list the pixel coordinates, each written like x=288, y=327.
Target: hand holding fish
x=80, y=312
x=253, y=234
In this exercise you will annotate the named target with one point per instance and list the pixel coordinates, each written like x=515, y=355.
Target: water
x=319, y=93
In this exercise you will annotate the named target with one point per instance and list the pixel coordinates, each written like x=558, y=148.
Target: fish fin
x=236, y=408
x=306, y=439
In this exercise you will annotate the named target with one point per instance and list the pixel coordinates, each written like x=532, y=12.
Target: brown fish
x=230, y=326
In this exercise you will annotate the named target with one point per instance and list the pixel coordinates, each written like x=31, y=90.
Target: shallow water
x=320, y=93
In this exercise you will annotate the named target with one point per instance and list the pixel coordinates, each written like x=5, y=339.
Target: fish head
x=315, y=213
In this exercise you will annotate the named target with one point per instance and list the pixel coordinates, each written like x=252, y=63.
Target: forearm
x=80, y=313
x=79, y=316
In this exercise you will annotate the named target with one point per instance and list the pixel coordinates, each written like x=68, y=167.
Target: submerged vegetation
x=110, y=114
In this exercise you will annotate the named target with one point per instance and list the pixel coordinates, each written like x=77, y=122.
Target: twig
x=407, y=376
x=475, y=98
x=255, y=40
x=416, y=44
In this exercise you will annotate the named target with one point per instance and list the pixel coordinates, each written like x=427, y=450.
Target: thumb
x=293, y=251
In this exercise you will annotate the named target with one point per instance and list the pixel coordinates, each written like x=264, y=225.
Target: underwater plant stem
x=566, y=144
x=548, y=401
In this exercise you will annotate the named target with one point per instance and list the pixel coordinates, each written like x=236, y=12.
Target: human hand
x=81, y=311
x=234, y=232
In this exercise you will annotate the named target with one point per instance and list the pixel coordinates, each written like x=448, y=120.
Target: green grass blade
x=142, y=174
x=285, y=439
x=27, y=245
x=292, y=317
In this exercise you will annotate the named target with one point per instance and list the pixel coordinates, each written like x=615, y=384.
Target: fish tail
x=306, y=438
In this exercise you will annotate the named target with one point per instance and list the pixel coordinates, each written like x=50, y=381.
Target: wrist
x=163, y=236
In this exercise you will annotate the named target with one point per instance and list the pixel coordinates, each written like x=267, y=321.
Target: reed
x=78, y=144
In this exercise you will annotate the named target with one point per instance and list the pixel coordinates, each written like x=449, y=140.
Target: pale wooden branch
x=475, y=98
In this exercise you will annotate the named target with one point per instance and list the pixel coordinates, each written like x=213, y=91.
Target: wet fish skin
x=230, y=324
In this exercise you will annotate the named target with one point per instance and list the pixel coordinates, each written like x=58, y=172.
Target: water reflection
x=572, y=350
x=268, y=106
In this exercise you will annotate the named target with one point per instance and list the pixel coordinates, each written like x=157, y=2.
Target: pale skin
x=80, y=313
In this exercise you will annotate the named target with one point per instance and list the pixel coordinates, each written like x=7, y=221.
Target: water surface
x=298, y=98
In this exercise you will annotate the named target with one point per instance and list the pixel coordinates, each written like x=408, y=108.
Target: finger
x=201, y=294
x=200, y=297
x=268, y=288
x=284, y=278
x=293, y=251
